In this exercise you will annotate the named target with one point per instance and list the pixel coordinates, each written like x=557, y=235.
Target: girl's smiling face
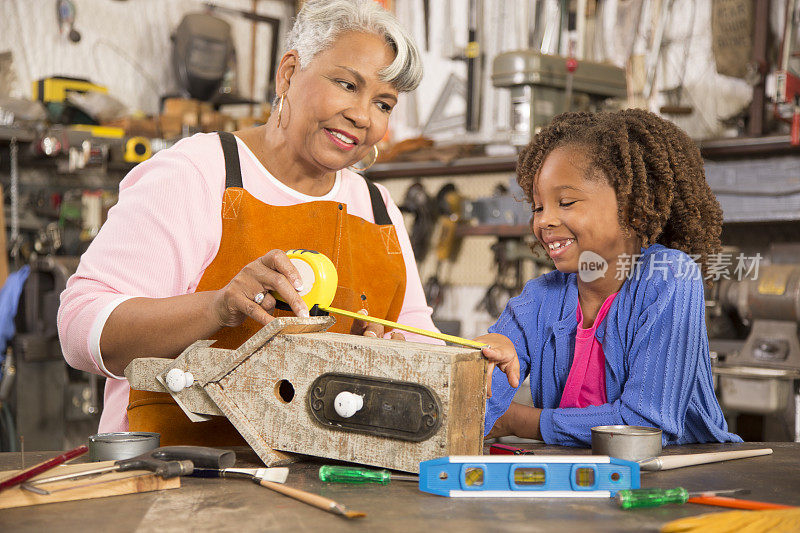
x=575, y=210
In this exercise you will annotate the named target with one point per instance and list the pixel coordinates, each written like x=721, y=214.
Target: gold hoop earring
x=374, y=158
x=280, y=109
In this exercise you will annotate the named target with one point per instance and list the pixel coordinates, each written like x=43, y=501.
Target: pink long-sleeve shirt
x=164, y=232
x=586, y=383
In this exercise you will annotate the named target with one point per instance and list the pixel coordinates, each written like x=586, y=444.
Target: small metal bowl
x=123, y=445
x=631, y=443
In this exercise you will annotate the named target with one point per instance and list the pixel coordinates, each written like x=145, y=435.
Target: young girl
x=617, y=334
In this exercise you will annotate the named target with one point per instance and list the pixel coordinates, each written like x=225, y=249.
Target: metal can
x=122, y=445
x=631, y=443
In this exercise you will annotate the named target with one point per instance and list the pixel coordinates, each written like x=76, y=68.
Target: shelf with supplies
x=494, y=230
x=71, y=149
x=461, y=166
x=21, y=134
x=741, y=147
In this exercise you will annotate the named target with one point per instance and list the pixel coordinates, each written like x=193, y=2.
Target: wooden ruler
x=111, y=484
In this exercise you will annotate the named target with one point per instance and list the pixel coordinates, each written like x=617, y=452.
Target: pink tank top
x=586, y=383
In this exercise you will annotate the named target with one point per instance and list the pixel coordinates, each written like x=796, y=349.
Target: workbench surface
x=241, y=506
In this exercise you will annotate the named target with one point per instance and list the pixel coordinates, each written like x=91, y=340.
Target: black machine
x=201, y=54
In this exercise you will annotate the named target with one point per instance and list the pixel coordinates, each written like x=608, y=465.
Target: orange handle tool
x=736, y=503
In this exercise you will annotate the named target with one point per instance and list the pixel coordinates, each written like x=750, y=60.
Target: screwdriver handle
x=638, y=498
x=346, y=474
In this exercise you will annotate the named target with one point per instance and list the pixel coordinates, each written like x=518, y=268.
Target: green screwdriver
x=638, y=498
x=348, y=474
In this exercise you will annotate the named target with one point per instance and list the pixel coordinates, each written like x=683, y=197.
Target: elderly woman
x=194, y=247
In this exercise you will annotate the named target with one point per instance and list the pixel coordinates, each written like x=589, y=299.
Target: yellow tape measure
x=319, y=276
x=320, y=281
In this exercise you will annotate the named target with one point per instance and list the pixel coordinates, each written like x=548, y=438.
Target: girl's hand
x=502, y=427
x=520, y=420
x=370, y=329
x=270, y=272
x=500, y=352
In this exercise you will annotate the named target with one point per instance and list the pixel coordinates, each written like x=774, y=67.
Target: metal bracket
x=395, y=409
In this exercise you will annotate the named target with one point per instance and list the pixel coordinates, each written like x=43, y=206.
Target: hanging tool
x=426, y=14
x=651, y=61
x=450, y=208
x=275, y=33
x=639, y=498
x=65, y=13
x=43, y=467
x=275, y=474
x=572, y=66
x=167, y=462
x=421, y=206
x=320, y=281
x=668, y=462
x=474, y=57
x=674, y=95
x=440, y=118
x=348, y=474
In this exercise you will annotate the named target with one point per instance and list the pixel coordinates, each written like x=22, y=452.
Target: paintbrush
x=272, y=478
x=276, y=475
x=316, y=500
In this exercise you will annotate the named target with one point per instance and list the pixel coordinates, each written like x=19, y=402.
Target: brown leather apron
x=368, y=260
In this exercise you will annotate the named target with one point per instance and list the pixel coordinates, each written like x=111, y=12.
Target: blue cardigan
x=658, y=371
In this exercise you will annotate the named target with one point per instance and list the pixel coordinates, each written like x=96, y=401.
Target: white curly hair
x=320, y=22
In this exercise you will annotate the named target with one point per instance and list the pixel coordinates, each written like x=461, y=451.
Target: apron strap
x=230, y=150
x=378, y=207
x=233, y=178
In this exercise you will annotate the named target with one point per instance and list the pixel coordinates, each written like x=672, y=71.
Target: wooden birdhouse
x=292, y=387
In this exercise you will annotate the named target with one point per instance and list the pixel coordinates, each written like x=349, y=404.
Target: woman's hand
x=370, y=329
x=500, y=352
x=270, y=272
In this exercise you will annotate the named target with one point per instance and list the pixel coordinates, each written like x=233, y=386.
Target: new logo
x=591, y=266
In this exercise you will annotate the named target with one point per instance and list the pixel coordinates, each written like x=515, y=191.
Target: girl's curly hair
x=654, y=167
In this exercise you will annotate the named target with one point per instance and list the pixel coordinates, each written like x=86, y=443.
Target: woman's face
x=338, y=107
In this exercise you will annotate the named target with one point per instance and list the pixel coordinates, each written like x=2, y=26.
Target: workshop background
x=89, y=88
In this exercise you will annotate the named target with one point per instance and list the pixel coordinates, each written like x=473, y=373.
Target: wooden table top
x=241, y=506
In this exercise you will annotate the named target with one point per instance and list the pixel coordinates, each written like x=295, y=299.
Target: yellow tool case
x=55, y=88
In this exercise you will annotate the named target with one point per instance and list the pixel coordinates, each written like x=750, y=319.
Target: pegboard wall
x=126, y=46
x=474, y=264
x=466, y=279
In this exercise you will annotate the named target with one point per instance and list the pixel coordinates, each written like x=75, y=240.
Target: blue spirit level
x=542, y=476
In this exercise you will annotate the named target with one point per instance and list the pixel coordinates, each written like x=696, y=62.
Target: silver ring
x=258, y=298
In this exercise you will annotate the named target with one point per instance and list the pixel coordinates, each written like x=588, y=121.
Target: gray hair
x=320, y=22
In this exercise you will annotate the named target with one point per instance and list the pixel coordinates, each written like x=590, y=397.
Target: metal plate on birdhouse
x=395, y=409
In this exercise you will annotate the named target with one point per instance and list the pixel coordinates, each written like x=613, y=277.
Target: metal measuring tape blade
x=320, y=281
